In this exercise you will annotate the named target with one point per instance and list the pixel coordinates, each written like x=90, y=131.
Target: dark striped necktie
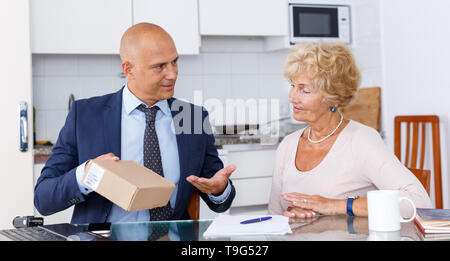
x=152, y=157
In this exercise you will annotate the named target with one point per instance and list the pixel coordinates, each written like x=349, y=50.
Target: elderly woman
x=328, y=167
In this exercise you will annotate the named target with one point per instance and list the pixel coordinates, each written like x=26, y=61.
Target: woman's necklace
x=324, y=138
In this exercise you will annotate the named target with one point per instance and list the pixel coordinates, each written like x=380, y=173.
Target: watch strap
x=350, y=207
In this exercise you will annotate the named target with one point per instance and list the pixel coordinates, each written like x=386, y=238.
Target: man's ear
x=127, y=69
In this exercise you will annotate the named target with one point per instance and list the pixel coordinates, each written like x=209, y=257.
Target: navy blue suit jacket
x=93, y=128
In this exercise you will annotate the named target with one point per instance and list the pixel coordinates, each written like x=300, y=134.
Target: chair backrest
x=194, y=205
x=424, y=176
x=413, y=123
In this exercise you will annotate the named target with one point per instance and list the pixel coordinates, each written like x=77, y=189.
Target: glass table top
x=322, y=228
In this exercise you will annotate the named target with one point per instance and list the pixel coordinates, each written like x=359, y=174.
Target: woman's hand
x=316, y=203
x=297, y=214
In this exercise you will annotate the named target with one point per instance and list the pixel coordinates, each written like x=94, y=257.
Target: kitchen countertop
x=221, y=140
x=43, y=152
x=42, y=149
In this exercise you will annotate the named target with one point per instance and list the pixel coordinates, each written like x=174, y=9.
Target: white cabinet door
x=178, y=17
x=252, y=164
x=16, y=186
x=243, y=17
x=78, y=26
x=250, y=192
x=252, y=178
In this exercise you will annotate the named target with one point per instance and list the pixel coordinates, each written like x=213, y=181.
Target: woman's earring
x=332, y=108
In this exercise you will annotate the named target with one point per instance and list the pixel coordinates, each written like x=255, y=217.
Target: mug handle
x=414, y=208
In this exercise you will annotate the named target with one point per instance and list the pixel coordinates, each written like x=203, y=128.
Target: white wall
x=416, y=61
x=56, y=76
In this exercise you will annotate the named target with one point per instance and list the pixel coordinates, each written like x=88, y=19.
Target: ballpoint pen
x=255, y=220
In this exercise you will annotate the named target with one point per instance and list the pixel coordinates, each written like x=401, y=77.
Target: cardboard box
x=128, y=184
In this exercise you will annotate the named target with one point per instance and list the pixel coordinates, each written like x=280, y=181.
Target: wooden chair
x=412, y=148
x=194, y=205
x=424, y=176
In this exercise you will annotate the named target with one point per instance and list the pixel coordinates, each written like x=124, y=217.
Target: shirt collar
x=131, y=102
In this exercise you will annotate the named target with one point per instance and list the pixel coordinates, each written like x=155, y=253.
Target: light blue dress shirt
x=132, y=138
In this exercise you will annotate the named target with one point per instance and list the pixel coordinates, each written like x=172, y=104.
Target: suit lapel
x=112, y=119
x=183, y=143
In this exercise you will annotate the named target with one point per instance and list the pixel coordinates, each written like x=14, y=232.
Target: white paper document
x=226, y=225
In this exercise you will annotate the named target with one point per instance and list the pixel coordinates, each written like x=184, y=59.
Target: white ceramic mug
x=384, y=210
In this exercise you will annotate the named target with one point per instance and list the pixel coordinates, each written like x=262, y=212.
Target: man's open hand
x=215, y=185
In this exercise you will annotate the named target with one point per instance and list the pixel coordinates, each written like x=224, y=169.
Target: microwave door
x=315, y=22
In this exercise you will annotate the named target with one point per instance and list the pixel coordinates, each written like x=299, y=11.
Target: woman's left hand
x=316, y=203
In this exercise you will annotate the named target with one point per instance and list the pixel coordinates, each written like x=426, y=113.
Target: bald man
x=142, y=118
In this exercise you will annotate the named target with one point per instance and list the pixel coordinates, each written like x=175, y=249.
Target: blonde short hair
x=330, y=67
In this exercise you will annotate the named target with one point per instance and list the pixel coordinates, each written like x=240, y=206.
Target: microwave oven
x=314, y=23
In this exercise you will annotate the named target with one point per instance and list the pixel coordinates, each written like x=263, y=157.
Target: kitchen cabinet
x=78, y=26
x=178, y=17
x=253, y=175
x=254, y=191
x=247, y=18
x=96, y=27
x=252, y=178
